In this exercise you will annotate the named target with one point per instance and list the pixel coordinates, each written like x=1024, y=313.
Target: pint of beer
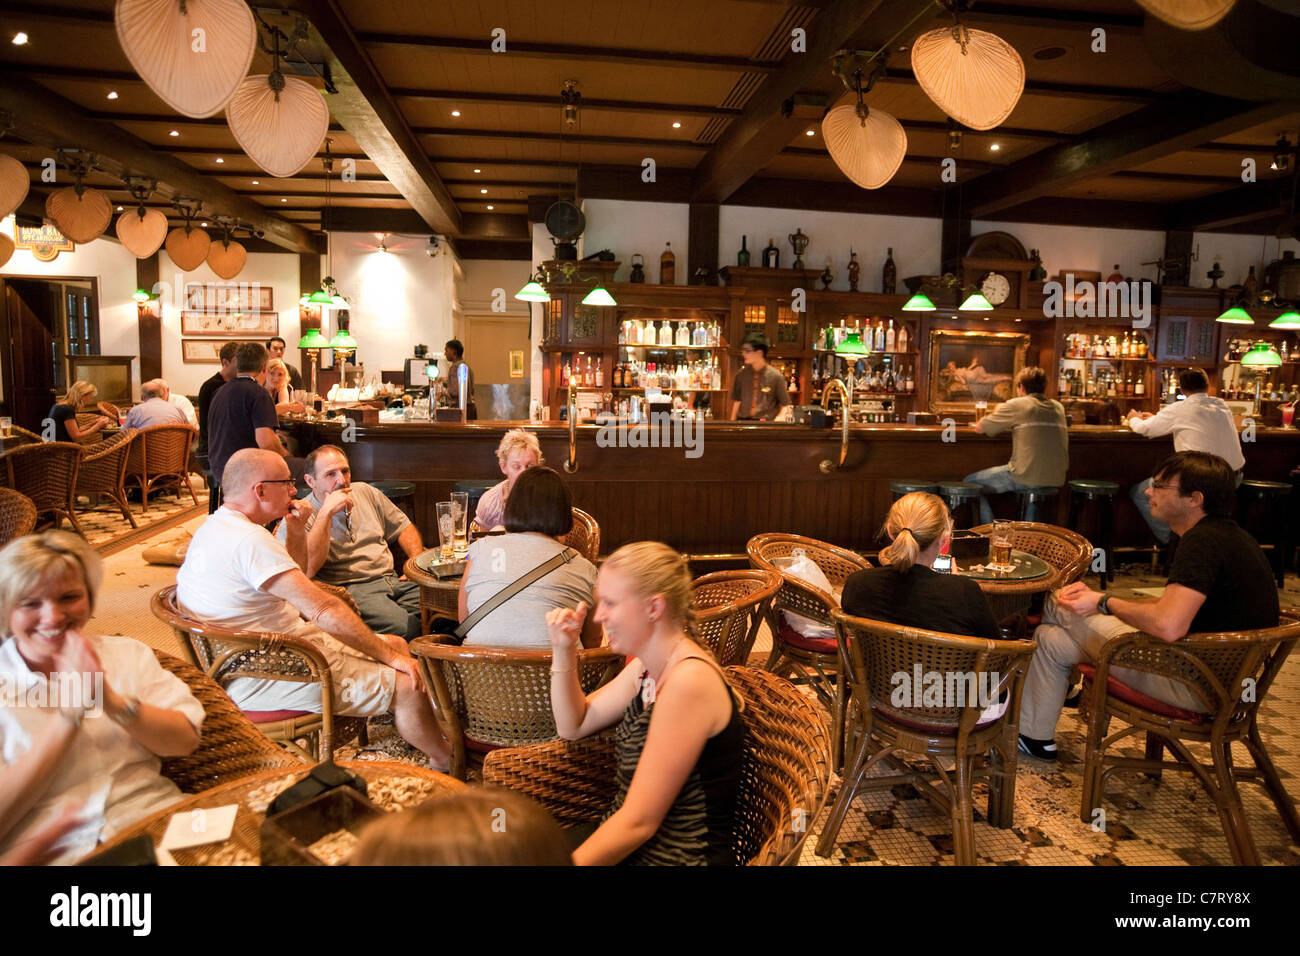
x=981, y=409
x=1000, y=542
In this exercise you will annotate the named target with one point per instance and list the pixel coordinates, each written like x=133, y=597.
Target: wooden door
x=32, y=312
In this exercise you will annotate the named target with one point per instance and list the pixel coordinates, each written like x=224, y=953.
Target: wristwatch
x=1103, y=604
x=130, y=711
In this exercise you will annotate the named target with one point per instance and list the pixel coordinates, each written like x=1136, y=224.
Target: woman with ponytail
x=680, y=734
x=904, y=590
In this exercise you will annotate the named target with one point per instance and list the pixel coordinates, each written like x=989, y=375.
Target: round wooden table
x=438, y=596
x=391, y=786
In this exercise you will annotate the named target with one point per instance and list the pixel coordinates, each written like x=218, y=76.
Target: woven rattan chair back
x=224, y=654
x=230, y=745
x=729, y=606
x=835, y=562
x=46, y=473
x=103, y=472
x=110, y=410
x=161, y=454
x=1068, y=552
x=22, y=433
x=1231, y=673
x=17, y=515
x=498, y=696
x=584, y=536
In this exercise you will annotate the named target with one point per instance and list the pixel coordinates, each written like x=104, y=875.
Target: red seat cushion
x=822, y=645
x=1120, y=690
x=478, y=746
x=270, y=716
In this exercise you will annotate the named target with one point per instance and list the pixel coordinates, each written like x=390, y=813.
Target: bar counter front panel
x=751, y=478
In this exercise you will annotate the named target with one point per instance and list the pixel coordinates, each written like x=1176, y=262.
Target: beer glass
x=980, y=409
x=446, y=530
x=6, y=427
x=1001, y=542
x=460, y=511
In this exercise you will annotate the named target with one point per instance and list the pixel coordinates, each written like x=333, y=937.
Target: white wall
x=1235, y=255
x=399, y=298
x=631, y=227
x=1064, y=248
x=484, y=276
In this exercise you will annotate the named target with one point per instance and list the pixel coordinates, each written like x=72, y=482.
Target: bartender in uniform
x=455, y=353
x=759, y=391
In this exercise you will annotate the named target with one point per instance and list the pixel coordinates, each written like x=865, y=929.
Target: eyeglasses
x=279, y=481
x=1165, y=486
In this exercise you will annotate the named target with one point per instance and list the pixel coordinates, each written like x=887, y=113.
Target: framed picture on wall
x=236, y=297
x=230, y=323
x=516, y=363
x=206, y=351
x=970, y=367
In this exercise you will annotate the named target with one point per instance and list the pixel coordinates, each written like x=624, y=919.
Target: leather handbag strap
x=506, y=593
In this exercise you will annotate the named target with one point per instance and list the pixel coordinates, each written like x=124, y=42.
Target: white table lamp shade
x=188, y=250
x=142, y=236
x=80, y=218
x=868, y=152
x=282, y=135
x=194, y=61
x=978, y=88
x=1188, y=14
x=14, y=183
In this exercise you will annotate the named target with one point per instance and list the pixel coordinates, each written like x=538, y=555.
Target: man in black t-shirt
x=206, y=391
x=242, y=414
x=1220, y=580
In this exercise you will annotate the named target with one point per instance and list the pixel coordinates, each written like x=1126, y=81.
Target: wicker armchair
x=946, y=736
x=46, y=472
x=109, y=410
x=17, y=515
x=819, y=662
x=584, y=537
x=224, y=654
x=18, y=432
x=490, y=697
x=729, y=607
x=1230, y=672
x=783, y=779
x=230, y=745
x=159, y=455
x=103, y=472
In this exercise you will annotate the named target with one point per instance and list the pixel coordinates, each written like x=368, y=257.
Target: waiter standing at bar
x=455, y=353
x=759, y=391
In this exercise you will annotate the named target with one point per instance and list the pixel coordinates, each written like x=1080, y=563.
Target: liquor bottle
x=742, y=257
x=879, y=345
x=667, y=266
x=771, y=255
x=902, y=337
x=565, y=373
x=1063, y=383
x=683, y=334
x=617, y=381
x=716, y=383
x=665, y=333
x=1110, y=386
x=1140, y=386
x=911, y=381
x=623, y=331
x=889, y=380
x=890, y=337
x=600, y=374
x=1142, y=346
x=889, y=275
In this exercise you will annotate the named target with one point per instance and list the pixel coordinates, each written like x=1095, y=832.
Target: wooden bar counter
x=749, y=478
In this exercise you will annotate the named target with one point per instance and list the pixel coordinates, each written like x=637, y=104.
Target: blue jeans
x=1143, y=504
x=998, y=480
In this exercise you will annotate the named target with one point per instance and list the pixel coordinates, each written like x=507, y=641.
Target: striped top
x=697, y=830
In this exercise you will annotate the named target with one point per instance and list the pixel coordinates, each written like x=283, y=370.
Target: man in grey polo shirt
x=347, y=544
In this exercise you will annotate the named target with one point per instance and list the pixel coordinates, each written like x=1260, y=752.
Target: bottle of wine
x=667, y=265
x=600, y=373
x=1140, y=386
x=742, y=257
x=771, y=255
x=889, y=275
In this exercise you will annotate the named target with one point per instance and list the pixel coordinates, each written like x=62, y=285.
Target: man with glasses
x=1219, y=580
x=1200, y=422
x=759, y=391
x=236, y=575
x=347, y=543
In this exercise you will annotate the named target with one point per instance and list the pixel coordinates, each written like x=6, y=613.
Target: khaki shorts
x=362, y=687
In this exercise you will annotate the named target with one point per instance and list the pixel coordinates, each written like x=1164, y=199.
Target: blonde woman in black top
x=905, y=590
x=680, y=733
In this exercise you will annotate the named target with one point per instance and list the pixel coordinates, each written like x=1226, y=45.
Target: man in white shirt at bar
x=177, y=399
x=1200, y=422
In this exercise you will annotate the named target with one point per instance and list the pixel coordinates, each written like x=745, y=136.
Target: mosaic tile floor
x=108, y=531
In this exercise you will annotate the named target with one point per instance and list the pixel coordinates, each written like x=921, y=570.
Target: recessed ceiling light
x=174, y=132
x=490, y=208
x=811, y=132
x=112, y=94
x=20, y=38
x=455, y=112
x=677, y=126
x=257, y=182
x=203, y=224
x=283, y=200
x=220, y=160
x=995, y=147
x=484, y=191
x=478, y=170
x=119, y=208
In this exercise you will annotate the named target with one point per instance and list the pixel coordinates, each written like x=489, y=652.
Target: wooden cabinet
x=1188, y=331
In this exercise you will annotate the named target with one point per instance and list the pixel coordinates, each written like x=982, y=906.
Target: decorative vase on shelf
x=827, y=277
x=889, y=274
x=855, y=271
x=771, y=255
x=638, y=268
x=1037, y=273
x=799, y=242
x=667, y=266
x=1115, y=276
x=742, y=257
x=1250, y=287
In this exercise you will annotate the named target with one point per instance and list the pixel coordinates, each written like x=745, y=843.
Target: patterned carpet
x=106, y=528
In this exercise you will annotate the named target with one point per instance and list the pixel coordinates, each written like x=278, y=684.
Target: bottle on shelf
x=665, y=333
x=565, y=374
x=879, y=344
x=742, y=257
x=890, y=337
x=771, y=255
x=911, y=382
x=667, y=265
x=1140, y=386
x=600, y=373
x=902, y=337
x=889, y=274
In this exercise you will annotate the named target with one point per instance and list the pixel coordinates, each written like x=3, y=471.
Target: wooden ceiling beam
x=1078, y=91
x=1189, y=119
x=553, y=138
x=474, y=225
x=569, y=52
x=1234, y=207
x=765, y=127
x=371, y=116
x=48, y=120
x=553, y=101
x=993, y=15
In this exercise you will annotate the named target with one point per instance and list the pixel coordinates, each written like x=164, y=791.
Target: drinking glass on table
x=6, y=427
x=446, y=530
x=1000, y=542
x=981, y=408
x=460, y=511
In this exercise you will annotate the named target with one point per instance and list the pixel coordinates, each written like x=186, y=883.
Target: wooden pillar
x=702, y=244
x=146, y=276
x=956, y=231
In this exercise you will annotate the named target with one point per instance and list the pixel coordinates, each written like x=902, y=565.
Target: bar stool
x=906, y=486
x=475, y=488
x=958, y=494
x=1086, y=491
x=400, y=493
x=1271, y=498
x=1030, y=498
